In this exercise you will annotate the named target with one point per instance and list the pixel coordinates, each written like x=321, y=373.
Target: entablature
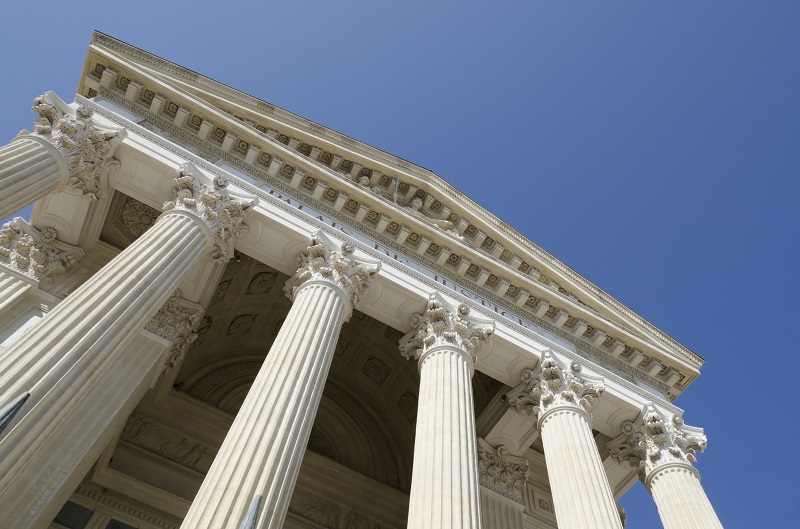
x=413, y=223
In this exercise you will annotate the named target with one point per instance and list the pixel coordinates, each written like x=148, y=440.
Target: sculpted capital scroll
x=441, y=325
x=36, y=254
x=659, y=440
x=321, y=262
x=213, y=204
x=87, y=148
x=553, y=386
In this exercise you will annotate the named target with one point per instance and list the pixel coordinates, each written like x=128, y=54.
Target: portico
x=216, y=336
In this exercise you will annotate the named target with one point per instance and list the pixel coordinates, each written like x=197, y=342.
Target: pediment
x=426, y=219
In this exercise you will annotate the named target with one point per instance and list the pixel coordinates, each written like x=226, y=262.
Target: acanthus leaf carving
x=175, y=321
x=555, y=386
x=659, y=440
x=87, y=148
x=501, y=472
x=36, y=254
x=339, y=268
x=213, y=204
x=439, y=326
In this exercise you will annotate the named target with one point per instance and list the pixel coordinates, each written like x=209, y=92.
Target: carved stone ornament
x=36, y=254
x=336, y=267
x=212, y=203
x=442, y=326
x=501, y=472
x=658, y=441
x=87, y=148
x=554, y=386
x=176, y=321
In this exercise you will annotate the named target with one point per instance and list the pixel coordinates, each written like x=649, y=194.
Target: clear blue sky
x=652, y=146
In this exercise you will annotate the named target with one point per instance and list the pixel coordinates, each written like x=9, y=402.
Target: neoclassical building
x=222, y=315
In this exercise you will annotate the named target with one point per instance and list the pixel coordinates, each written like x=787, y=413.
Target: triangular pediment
x=427, y=219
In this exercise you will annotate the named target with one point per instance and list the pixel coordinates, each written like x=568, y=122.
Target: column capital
x=555, y=386
x=214, y=205
x=33, y=253
x=501, y=472
x=87, y=148
x=443, y=326
x=175, y=321
x=320, y=263
x=659, y=440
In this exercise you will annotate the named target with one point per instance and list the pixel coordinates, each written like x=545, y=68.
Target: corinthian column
x=66, y=148
x=262, y=452
x=664, y=449
x=84, y=363
x=445, y=492
x=560, y=399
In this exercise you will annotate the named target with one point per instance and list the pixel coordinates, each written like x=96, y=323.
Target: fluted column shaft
x=262, y=453
x=30, y=168
x=265, y=445
x=682, y=503
x=77, y=348
x=444, y=483
x=581, y=494
x=445, y=491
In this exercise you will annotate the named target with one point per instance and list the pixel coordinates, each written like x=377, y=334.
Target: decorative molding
x=87, y=148
x=441, y=326
x=660, y=440
x=584, y=349
x=213, y=204
x=116, y=501
x=553, y=387
x=151, y=436
x=336, y=267
x=501, y=472
x=175, y=321
x=33, y=253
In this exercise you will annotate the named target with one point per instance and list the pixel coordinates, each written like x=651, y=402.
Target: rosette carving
x=440, y=326
x=87, y=148
x=554, y=386
x=320, y=263
x=658, y=441
x=501, y=472
x=212, y=203
x=36, y=254
x=175, y=321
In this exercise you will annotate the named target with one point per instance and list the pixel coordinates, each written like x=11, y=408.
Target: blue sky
x=652, y=146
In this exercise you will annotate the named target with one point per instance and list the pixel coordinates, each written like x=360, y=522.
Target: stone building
x=223, y=315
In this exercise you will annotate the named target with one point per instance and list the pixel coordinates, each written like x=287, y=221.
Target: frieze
x=33, y=253
x=284, y=197
x=151, y=436
x=119, y=502
x=693, y=359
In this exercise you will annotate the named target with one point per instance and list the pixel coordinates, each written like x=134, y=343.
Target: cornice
x=620, y=369
x=162, y=66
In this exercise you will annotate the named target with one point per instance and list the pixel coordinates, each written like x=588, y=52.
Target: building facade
x=222, y=315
